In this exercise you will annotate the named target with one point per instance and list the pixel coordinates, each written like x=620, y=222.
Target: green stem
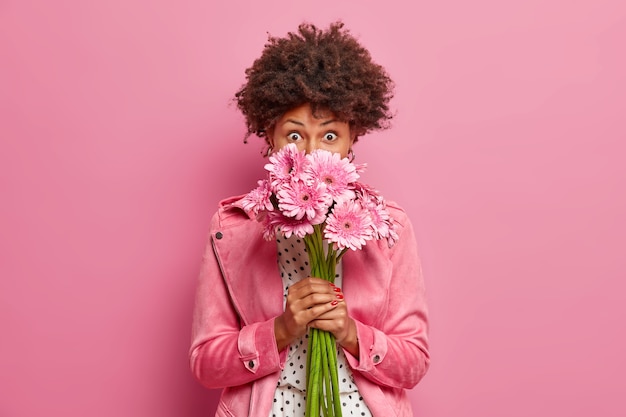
x=343, y=252
x=322, y=375
x=313, y=374
x=309, y=355
x=332, y=359
x=325, y=382
x=331, y=263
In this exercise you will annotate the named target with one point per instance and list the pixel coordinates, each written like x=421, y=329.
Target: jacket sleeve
x=394, y=351
x=224, y=352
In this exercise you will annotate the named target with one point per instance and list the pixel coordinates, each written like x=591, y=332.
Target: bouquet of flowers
x=317, y=197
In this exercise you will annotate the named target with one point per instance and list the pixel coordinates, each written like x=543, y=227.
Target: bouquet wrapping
x=317, y=197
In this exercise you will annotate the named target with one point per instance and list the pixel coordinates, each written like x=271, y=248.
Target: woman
x=255, y=301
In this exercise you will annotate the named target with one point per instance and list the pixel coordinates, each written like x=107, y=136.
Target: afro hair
x=328, y=69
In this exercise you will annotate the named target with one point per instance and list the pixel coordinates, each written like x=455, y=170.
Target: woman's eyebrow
x=299, y=123
x=294, y=122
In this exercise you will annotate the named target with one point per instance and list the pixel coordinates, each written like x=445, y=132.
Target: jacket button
x=251, y=364
x=219, y=235
x=376, y=358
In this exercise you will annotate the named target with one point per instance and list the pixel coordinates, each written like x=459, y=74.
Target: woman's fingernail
x=334, y=302
x=337, y=289
x=340, y=296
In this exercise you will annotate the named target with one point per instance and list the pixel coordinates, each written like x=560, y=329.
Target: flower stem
x=313, y=376
x=327, y=406
x=343, y=252
x=322, y=376
x=332, y=359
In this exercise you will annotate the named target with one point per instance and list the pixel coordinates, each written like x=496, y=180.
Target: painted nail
x=334, y=302
x=340, y=296
x=337, y=289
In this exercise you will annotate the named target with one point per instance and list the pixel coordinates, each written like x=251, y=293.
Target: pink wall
x=117, y=141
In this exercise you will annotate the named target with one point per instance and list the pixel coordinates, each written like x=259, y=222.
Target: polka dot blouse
x=290, y=395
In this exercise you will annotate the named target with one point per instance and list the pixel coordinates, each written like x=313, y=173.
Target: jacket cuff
x=257, y=348
x=372, y=348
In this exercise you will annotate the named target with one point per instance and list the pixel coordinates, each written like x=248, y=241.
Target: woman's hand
x=314, y=302
x=340, y=324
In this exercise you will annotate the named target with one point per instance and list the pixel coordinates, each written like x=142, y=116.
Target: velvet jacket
x=240, y=293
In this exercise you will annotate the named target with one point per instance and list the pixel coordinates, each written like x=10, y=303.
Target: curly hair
x=328, y=69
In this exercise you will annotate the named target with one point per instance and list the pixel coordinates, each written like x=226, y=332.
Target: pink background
x=117, y=139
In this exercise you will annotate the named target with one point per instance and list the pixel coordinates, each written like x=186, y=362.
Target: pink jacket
x=240, y=293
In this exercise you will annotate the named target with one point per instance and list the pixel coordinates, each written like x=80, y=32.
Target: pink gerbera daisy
x=365, y=192
x=258, y=199
x=286, y=165
x=300, y=200
x=287, y=226
x=348, y=226
x=393, y=234
x=383, y=225
x=380, y=219
x=269, y=228
x=336, y=173
x=360, y=168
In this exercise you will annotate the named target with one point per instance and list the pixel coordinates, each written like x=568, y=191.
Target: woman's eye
x=330, y=136
x=293, y=136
